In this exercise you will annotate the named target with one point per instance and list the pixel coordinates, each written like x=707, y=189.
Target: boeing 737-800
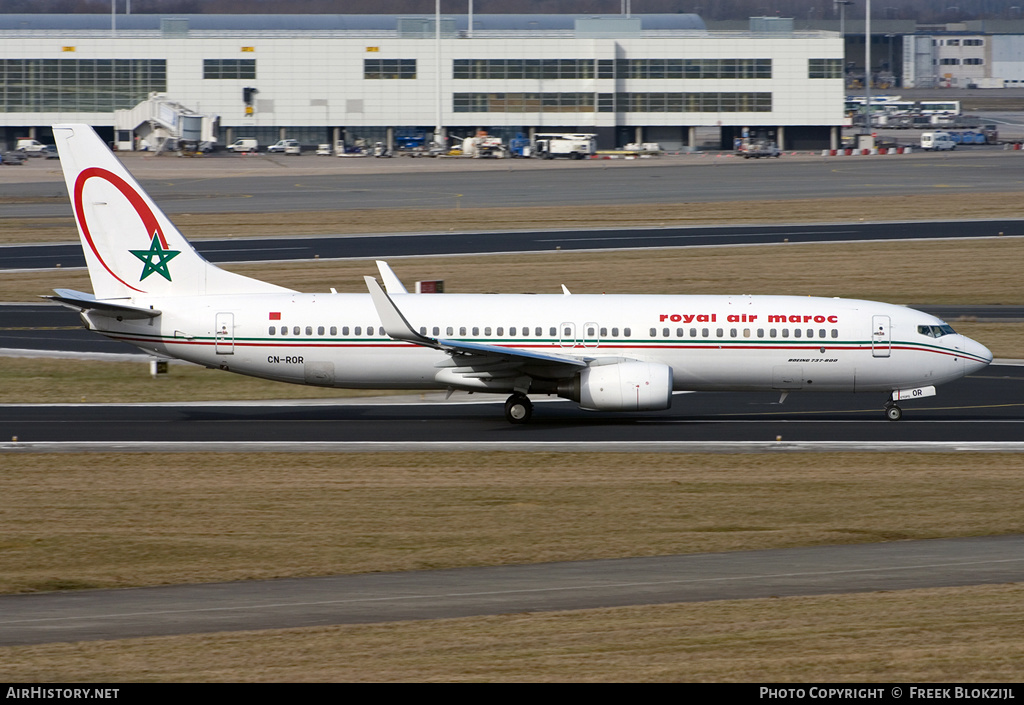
x=607, y=353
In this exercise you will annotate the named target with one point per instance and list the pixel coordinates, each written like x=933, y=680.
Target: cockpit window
x=936, y=331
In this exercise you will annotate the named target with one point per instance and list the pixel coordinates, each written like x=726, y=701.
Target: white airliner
x=610, y=353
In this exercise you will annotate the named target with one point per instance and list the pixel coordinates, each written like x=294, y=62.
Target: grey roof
x=323, y=22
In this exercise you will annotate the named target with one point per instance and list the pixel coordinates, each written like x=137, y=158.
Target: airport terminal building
x=320, y=78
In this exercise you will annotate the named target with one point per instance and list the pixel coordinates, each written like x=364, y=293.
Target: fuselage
x=712, y=343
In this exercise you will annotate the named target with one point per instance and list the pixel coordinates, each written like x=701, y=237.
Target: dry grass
x=115, y=520
x=62, y=381
x=951, y=635
x=946, y=271
x=938, y=206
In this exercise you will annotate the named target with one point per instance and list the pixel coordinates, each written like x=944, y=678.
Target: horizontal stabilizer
x=87, y=302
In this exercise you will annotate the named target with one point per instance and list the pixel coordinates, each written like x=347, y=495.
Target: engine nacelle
x=623, y=386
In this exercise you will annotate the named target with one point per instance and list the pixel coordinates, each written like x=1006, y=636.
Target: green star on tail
x=155, y=259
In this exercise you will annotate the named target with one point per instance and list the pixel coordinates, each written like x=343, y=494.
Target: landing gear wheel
x=518, y=409
x=893, y=412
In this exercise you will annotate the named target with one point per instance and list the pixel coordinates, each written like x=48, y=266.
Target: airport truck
x=548, y=145
x=749, y=149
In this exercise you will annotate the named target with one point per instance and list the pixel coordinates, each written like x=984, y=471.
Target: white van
x=33, y=147
x=286, y=146
x=244, y=145
x=937, y=141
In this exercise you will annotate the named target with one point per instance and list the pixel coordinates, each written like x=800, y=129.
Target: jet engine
x=622, y=386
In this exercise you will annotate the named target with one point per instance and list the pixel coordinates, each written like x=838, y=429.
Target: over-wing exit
x=607, y=353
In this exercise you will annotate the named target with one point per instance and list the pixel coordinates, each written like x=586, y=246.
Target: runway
x=984, y=408
x=467, y=592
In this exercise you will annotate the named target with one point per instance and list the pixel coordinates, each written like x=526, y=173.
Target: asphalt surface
x=986, y=407
x=15, y=257
x=272, y=184
x=387, y=597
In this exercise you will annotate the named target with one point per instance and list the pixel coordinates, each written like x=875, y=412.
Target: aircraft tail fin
x=131, y=247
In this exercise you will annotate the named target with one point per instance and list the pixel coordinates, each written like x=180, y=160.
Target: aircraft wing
x=87, y=302
x=471, y=354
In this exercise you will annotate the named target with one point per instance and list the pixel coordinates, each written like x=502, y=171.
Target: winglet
x=565, y=290
x=392, y=284
x=395, y=324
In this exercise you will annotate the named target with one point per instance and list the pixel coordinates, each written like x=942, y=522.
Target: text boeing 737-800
x=607, y=353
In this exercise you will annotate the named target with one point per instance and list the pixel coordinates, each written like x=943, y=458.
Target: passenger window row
x=720, y=333
x=321, y=330
x=589, y=332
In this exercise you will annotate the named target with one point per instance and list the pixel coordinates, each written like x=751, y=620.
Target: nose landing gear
x=893, y=412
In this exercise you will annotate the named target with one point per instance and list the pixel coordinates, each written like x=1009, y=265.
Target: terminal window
x=824, y=68
x=78, y=85
x=229, y=68
x=389, y=68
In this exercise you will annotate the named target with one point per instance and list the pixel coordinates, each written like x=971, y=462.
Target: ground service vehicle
x=756, y=150
x=33, y=148
x=605, y=352
x=244, y=145
x=937, y=141
x=286, y=147
x=548, y=145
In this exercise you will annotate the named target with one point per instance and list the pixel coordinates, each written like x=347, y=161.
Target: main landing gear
x=893, y=412
x=518, y=408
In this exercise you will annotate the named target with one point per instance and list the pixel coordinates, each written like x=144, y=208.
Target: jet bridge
x=160, y=124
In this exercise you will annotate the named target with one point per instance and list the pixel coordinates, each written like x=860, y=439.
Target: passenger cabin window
x=273, y=330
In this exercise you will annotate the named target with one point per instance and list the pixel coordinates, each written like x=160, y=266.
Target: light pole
x=867, y=66
x=842, y=15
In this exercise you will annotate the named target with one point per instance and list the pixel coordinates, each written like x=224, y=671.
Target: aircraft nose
x=976, y=355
